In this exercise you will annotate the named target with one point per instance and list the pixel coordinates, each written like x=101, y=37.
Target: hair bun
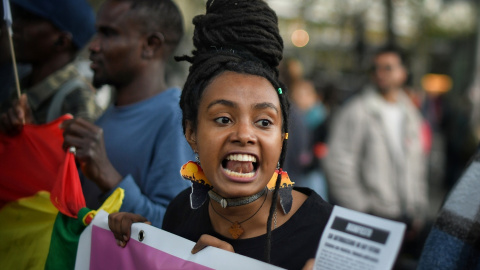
x=250, y=25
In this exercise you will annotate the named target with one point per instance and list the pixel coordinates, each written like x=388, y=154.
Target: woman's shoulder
x=184, y=221
x=314, y=204
x=312, y=196
x=297, y=239
x=181, y=201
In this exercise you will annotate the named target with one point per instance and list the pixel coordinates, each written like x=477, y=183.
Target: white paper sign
x=152, y=248
x=358, y=241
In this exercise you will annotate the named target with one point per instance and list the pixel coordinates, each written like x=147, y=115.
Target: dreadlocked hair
x=241, y=36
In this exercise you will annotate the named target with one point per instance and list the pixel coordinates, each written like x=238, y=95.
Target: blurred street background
x=332, y=42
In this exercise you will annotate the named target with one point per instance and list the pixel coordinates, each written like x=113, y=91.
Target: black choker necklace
x=224, y=202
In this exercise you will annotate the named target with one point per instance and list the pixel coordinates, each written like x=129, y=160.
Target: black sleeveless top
x=293, y=243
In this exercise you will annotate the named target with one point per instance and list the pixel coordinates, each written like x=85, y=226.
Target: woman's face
x=239, y=133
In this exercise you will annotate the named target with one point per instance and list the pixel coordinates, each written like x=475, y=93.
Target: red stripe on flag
x=30, y=161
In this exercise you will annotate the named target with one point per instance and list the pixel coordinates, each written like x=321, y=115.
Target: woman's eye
x=223, y=120
x=264, y=123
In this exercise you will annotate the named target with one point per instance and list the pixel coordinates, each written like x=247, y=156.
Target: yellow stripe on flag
x=25, y=231
x=111, y=205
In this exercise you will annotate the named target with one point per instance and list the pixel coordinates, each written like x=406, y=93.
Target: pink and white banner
x=152, y=248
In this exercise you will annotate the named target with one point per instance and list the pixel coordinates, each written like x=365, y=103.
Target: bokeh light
x=300, y=38
x=436, y=83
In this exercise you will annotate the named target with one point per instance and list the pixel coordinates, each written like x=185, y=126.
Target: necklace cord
x=266, y=195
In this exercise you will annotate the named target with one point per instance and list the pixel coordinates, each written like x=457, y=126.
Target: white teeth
x=242, y=157
x=237, y=174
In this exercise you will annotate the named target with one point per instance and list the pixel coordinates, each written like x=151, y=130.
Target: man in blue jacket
x=138, y=143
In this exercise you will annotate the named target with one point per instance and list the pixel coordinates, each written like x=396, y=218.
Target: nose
x=94, y=45
x=244, y=133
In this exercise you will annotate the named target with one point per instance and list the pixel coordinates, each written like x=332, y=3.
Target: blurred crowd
x=387, y=148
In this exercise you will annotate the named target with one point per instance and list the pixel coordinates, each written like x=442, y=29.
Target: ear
x=64, y=41
x=154, y=42
x=190, y=135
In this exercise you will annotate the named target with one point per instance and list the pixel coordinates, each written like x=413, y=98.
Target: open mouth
x=240, y=165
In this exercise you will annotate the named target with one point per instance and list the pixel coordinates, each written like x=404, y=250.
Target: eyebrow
x=222, y=102
x=265, y=105
x=228, y=103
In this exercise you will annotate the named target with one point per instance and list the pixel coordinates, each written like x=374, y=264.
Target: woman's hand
x=208, y=240
x=309, y=264
x=121, y=223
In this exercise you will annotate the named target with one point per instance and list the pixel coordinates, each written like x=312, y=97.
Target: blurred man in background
x=138, y=143
x=47, y=35
x=376, y=163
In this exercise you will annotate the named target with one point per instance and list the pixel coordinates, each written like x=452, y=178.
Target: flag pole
x=7, y=16
x=15, y=71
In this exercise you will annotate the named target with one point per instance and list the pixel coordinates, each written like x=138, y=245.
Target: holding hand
x=12, y=121
x=309, y=264
x=87, y=139
x=208, y=240
x=121, y=223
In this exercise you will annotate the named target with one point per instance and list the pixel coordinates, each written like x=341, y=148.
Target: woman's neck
x=257, y=224
x=251, y=217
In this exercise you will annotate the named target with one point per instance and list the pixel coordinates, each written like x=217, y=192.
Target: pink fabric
x=105, y=254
